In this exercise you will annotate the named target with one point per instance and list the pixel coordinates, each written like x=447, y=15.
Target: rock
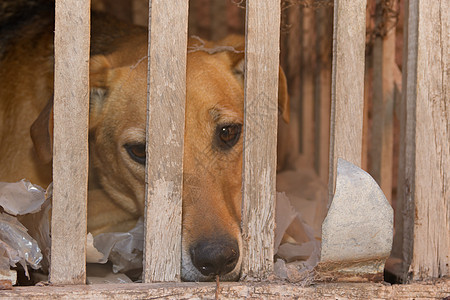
x=357, y=232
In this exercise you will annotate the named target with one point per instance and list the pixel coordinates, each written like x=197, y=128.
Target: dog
x=211, y=237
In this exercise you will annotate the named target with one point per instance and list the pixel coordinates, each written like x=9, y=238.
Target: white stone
x=359, y=223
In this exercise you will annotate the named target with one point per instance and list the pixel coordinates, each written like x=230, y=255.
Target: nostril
x=207, y=269
x=215, y=257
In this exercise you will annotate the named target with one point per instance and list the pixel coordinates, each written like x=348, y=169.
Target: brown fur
x=118, y=71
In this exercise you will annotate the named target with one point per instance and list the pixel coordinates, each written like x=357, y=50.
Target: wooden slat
x=308, y=65
x=368, y=75
x=347, y=84
x=288, y=138
x=324, y=29
x=431, y=192
x=235, y=290
x=382, y=140
x=424, y=143
x=165, y=135
x=260, y=136
x=70, y=150
x=403, y=238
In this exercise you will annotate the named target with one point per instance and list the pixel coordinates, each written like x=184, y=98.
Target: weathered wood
x=324, y=29
x=165, y=135
x=308, y=65
x=405, y=205
x=383, y=98
x=368, y=82
x=431, y=193
x=260, y=136
x=70, y=150
x=228, y=290
x=400, y=112
x=288, y=138
x=347, y=84
x=423, y=164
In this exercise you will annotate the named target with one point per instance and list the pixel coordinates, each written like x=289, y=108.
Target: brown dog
x=118, y=81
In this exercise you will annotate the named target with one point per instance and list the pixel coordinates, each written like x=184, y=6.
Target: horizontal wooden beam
x=437, y=290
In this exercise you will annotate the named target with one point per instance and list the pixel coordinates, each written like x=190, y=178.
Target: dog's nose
x=215, y=257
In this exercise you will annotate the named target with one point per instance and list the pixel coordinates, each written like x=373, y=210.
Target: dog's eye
x=228, y=135
x=136, y=152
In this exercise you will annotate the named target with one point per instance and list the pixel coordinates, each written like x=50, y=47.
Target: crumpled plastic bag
x=22, y=197
x=294, y=242
x=17, y=200
x=17, y=245
x=123, y=249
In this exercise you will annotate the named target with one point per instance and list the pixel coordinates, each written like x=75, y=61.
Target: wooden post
x=347, y=84
x=70, y=150
x=382, y=143
x=164, y=167
x=260, y=136
x=425, y=191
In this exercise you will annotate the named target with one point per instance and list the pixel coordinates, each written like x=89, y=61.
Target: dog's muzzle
x=215, y=257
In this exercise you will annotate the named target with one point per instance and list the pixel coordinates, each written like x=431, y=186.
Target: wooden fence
x=424, y=184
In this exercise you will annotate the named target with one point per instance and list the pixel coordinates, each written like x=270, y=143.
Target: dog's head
x=211, y=235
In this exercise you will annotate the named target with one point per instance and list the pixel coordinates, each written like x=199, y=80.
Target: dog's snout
x=215, y=257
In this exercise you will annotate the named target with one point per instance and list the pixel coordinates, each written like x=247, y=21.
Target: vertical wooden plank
x=347, y=84
x=70, y=150
x=368, y=82
x=324, y=29
x=308, y=57
x=260, y=136
x=405, y=205
x=165, y=135
x=431, y=254
x=383, y=97
x=288, y=138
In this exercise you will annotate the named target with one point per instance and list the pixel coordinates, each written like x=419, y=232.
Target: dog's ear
x=237, y=54
x=41, y=132
x=98, y=83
